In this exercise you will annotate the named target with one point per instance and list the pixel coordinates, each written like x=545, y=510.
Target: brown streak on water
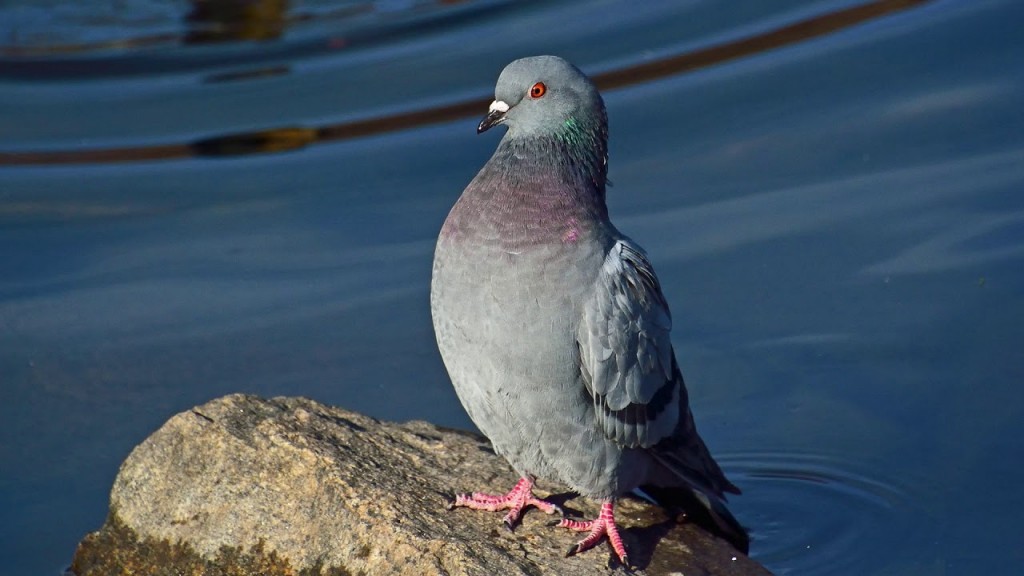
x=293, y=138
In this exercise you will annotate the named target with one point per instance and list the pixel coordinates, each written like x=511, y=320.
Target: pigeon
x=552, y=324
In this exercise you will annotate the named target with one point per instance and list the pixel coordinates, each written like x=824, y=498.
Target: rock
x=244, y=485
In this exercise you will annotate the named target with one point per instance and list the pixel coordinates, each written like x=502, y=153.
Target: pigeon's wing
x=626, y=355
x=630, y=372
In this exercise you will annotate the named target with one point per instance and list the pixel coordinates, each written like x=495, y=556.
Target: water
x=829, y=190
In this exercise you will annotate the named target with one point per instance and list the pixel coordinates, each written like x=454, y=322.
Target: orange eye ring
x=538, y=90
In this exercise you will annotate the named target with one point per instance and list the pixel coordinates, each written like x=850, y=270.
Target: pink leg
x=518, y=498
x=603, y=525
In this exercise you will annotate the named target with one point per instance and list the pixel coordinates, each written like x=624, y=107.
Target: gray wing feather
x=626, y=351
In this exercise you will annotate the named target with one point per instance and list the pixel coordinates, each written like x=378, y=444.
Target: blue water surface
x=832, y=192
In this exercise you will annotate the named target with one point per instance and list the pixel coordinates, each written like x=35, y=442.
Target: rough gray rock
x=244, y=485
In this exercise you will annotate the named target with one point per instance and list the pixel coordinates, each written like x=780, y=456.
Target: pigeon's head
x=544, y=95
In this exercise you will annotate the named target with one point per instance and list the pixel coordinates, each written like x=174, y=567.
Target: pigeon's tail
x=705, y=510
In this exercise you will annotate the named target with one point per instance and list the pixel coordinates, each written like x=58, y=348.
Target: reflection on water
x=32, y=29
x=236, y=20
x=204, y=198
x=229, y=20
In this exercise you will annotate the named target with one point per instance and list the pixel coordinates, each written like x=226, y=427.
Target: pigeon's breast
x=513, y=303
x=521, y=201
x=539, y=226
x=506, y=319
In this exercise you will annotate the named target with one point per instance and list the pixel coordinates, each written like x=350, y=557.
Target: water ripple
x=813, y=514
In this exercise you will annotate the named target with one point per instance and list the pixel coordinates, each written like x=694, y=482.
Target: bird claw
x=515, y=501
x=602, y=527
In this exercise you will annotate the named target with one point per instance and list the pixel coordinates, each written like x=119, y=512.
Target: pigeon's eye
x=538, y=90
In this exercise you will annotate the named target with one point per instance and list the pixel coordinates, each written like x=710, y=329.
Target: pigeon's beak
x=495, y=116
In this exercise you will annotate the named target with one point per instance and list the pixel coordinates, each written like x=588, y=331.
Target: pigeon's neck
x=538, y=189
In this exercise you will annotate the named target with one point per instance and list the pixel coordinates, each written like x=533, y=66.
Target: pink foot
x=604, y=525
x=518, y=498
